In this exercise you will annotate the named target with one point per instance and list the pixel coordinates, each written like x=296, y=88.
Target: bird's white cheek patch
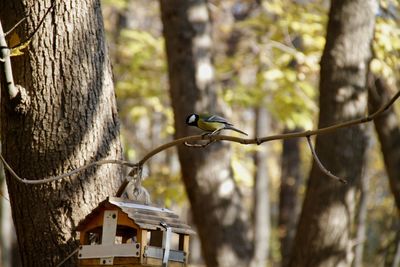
x=192, y=118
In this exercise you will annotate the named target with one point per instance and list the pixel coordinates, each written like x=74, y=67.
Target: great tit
x=211, y=123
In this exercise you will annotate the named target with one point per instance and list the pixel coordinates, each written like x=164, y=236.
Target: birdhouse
x=124, y=232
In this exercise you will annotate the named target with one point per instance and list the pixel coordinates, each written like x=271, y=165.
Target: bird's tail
x=234, y=129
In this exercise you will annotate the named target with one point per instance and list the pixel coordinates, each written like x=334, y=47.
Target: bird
x=211, y=123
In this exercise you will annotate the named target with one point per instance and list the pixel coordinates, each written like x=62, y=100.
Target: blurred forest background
x=266, y=58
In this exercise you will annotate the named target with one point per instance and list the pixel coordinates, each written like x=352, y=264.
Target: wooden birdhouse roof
x=144, y=216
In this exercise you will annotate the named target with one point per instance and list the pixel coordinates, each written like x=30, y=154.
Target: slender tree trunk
x=262, y=224
x=388, y=130
x=392, y=250
x=8, y=240
x=289, y=202
x=9, y=246
x=216, y=202
x=71, y=120
x=324, y=229
x=361, y=222
x=395, y=261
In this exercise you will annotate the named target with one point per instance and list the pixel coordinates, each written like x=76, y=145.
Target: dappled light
x=266, y=130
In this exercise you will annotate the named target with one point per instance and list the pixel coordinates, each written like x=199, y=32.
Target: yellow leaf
x=273, y=74
x=14, y=39
x=17, y=51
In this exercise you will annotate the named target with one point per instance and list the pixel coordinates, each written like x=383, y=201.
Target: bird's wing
x=216, y=118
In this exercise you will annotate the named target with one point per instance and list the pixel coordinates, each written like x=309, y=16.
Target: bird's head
x=192, y=119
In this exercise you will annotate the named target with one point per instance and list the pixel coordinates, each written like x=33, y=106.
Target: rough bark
x=324, y=228
x=388, y=131
x=71, y=121
x=261, y=217
x=289, y=202
x=216, y=202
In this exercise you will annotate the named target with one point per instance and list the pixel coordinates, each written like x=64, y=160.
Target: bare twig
x=5, y=58
x=213, y=138
x=51, y=179
x=68, y=257
x=15, y=26
x=320, y=165
x=27, y=39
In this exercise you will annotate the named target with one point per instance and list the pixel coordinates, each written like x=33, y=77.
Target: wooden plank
x=124, y=203
x=109, y=227
x=156, y=221
x=158, y=262
x=151, y=263
x=156, y=224
x=94, y=222
x=123, y=219
x=138, y=216
x=109, y=250
x=153, y=226
x=120, y=262
x=158, y=253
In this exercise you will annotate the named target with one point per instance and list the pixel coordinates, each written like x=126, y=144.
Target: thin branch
x=320, y=165
x=261, y=140
x=55, y=178
x=5, y=58
x=68, y=257
x=15, y=26
x=283, y=47
x=212, y=138
x=27, y=39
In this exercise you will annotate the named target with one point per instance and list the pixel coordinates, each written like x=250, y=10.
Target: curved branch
x=258, y=141
x=55, y=178
x=213, y=138
x=320, y=165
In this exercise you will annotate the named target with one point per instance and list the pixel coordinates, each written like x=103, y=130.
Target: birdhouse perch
x=123, y=232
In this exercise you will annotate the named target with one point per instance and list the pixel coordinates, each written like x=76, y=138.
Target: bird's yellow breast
x=209, y=126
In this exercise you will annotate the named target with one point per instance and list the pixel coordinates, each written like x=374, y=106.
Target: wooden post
x=184, y=245
x=83, y=238
x=142, y=240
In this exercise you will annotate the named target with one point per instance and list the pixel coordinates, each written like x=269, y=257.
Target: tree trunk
x=71, y=121
x=323, y=234
x=361, y=222
x=393, y=259
x=8, y=239
x=388, y=130
x=392, y=250
x=289, y=202
x=262, y=221
x=216, y=202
